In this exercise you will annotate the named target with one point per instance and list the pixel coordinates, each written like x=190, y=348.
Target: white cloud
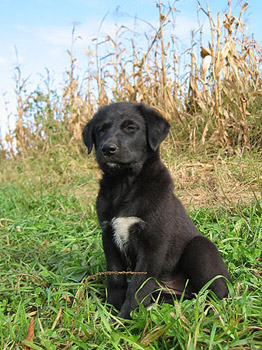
x=3, y=62
x=56, y=52
x=59, y=36
x=22, y=28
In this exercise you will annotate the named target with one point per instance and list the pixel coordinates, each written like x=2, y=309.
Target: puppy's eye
x=130, y=128
x=102, y=128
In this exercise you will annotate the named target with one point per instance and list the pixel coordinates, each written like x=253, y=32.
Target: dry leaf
x=205, y=52
x=57, y=318
x=205, y=66
x=30, y=335
x=244, y=7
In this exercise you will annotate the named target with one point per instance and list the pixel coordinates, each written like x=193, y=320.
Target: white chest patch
x=121, y=228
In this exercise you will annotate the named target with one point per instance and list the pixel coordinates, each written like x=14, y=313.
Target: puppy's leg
x=116, y=284
x=140, y=289
x=201, y=262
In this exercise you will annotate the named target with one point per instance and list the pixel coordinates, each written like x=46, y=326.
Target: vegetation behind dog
x=212, y=99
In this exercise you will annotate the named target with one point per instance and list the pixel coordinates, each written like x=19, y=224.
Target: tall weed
x=213, y=100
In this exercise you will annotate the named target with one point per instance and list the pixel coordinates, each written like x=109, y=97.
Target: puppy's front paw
x=124, y=314
x=116, y=297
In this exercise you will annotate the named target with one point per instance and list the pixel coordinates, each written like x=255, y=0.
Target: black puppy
x=145, y=227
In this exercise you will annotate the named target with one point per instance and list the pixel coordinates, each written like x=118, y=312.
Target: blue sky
x=37, y=33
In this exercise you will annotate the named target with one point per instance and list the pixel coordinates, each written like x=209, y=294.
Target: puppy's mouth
x=115, y=167
x=118, y=165
x=112, y=164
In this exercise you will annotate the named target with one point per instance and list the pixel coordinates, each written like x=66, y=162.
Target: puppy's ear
x=88, y=136
x=157, y=126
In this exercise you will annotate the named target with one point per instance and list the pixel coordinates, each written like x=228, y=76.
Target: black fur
x=162, y=240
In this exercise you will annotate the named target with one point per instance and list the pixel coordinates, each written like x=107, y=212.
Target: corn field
x=213, y=101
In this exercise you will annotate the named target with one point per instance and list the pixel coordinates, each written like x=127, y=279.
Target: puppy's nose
x=109, y=149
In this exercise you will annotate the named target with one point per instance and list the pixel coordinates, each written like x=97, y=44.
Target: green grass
x=51, y=241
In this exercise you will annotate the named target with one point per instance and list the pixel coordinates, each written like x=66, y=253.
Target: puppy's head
x=125, y=134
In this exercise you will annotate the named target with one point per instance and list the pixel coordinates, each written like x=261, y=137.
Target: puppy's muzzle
x=109, y=149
